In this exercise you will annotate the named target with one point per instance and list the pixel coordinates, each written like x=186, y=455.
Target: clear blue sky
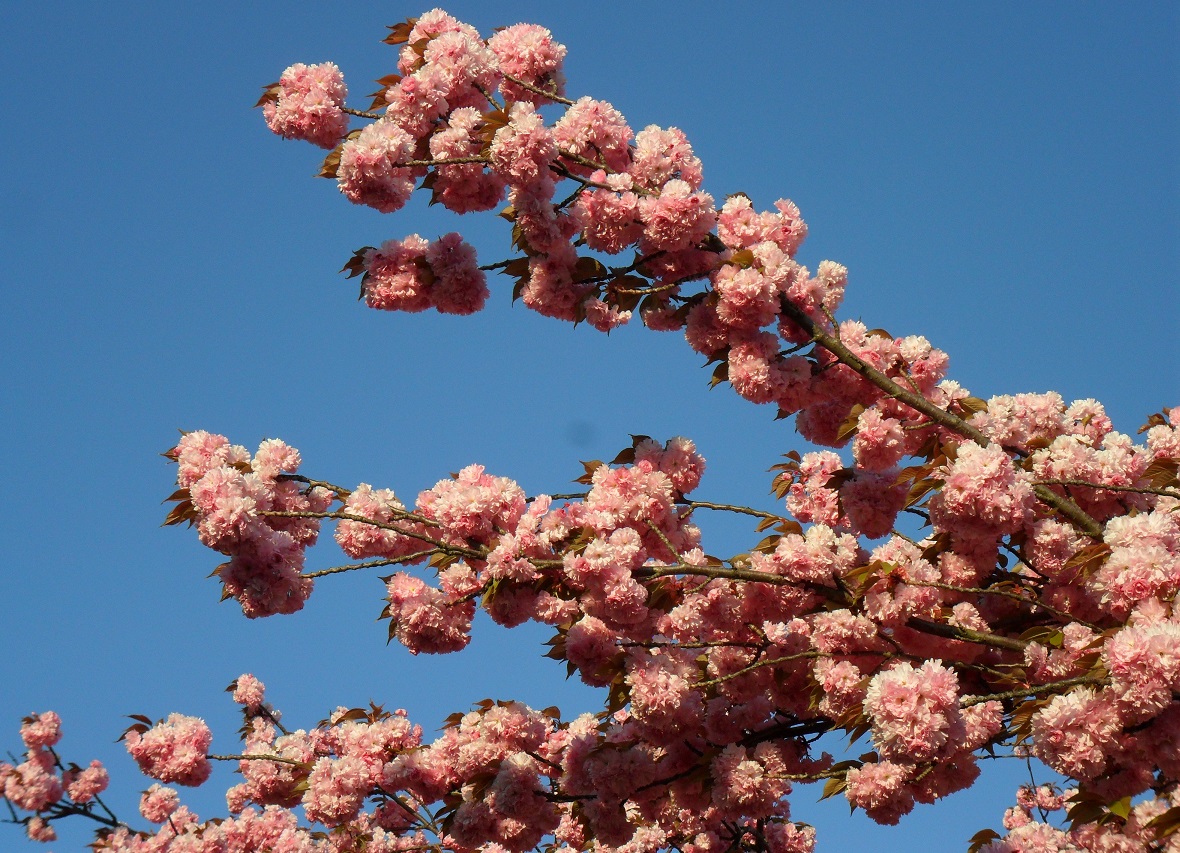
x=1002, y=178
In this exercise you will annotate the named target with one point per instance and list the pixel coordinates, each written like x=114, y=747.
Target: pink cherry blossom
x=371, y=170
x=308, y=105
x=173, y=750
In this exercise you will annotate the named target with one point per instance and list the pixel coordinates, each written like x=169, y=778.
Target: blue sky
x=1002, y=178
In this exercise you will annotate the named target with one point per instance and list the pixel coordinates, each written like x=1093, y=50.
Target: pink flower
x=748, y=299
x=306, y=104
x=336, y=789
x=663, y=700
x=983, y=491
x=704, y=331
x=604, y=317
x=872, y=501
x=249, y=691
x=84, y=785
x=424, y=620
x=464, y=65
x=913, y=710
x=742, y=786
x=550, y=289
x=174, y=750
x=530, y=54
x=879, y=442
x=460, y=286
x=41, y=730
x=679, y=218
x=522, y=150
x=739, y=227
x=32, y=785
x=678, y=459
x=595, y=131
x=609, y=219
x=397, y=275
x=880, y=790
x=809, y=498
x=427, y=26
x=1075, y=733
x=370, y=171
x=664, y=155
x=158, y=802
x=463, y=187
x=474, y=505
x=1019, y=421
x=39, y=829
x=274, y=457
x=198, y=452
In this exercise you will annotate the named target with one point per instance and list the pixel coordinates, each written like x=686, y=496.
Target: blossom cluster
x=42, y=785
x=247, y=509
x=1052, y=552
x=895, y=638
x=1033, y=611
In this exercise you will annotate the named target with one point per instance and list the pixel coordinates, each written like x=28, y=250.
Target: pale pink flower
x=198, y=452
x=589, y=646
x=879, y=789
x=460, y=286
x=307, y=104
x=842, y=684
x=871, y=502
x=609, y=218
x=174, y=750
x=1087, y=418
x=604, y=317
x=274, y=457
x=474, y=505
x=465, y=66
x=784, y=837
x=371, y=170
x=32, y=785
x=427, y=26
x=463, y=187
x=84, y=785
x=158, y=802
x=983, y=491
x=424, y=620
x=530, y=54
x=679, y=218
x=913, y=710
x=1024, y=419
x=41, y=730
x=662, y=155
x=249, y=691
x=704, y=332
x=550, y=289
x=748, y=299
x=678, y=459
x=742, y=786
x=663, y=700
x=809, y=498
x=522, y=150
x=739, y=226
x=595, y=131
x=39, y=829
x=336, y=789
x=417, y=102
x=1075, y=733
x=396, y=275
x=879, y=443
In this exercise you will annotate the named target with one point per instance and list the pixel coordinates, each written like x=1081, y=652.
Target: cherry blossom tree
x=967, y=579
